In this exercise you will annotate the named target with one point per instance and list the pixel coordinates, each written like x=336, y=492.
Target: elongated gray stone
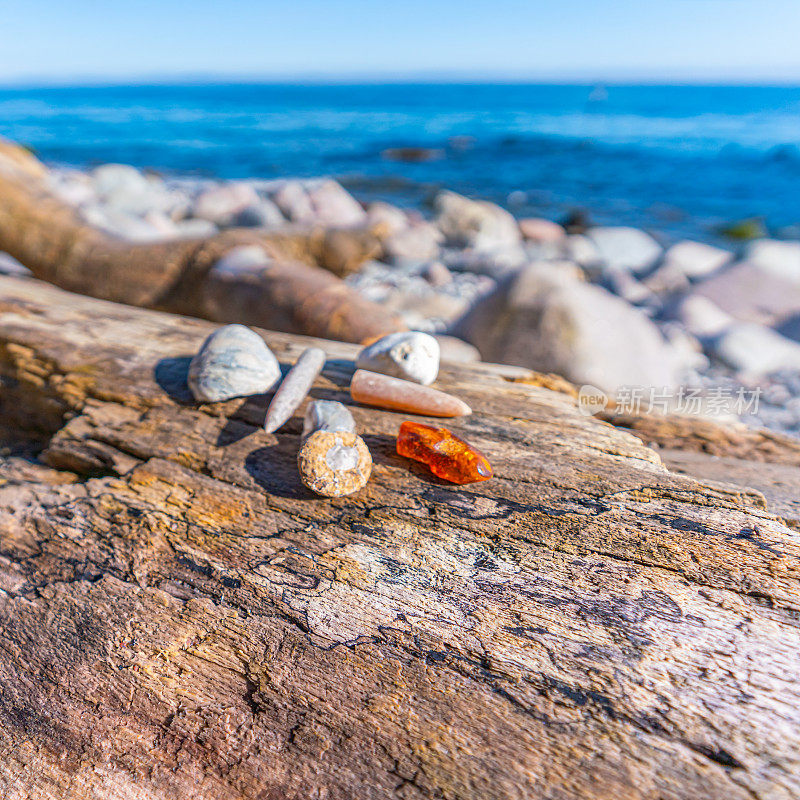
x=411, y=355
x=294, y=388
x=233, y=362
x=328, y=415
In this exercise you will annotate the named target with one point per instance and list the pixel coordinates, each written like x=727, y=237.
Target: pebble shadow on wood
x=194, y=623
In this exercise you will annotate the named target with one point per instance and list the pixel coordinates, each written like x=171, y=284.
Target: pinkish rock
x=294, y=202
x=334, y=206
x=536, y=229
x=395, y=394
x=220, y=204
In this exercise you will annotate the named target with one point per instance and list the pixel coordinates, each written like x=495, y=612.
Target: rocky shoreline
x=689, y=328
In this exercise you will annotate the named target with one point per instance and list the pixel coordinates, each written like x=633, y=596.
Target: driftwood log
x=179, y=618
x=294, y=290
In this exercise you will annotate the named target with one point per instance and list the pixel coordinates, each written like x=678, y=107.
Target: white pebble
x=410, y=355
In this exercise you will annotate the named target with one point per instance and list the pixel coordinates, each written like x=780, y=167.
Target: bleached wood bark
x=191, y=623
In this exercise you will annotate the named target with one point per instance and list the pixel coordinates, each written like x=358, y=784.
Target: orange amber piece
x=447, y=456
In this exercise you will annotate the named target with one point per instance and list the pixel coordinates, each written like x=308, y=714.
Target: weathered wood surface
x=295, y=289
x=191, y=623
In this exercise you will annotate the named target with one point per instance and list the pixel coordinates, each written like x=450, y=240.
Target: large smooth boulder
x=626, y=248
x=545, y=319
x=475, y=223
x=750, y=293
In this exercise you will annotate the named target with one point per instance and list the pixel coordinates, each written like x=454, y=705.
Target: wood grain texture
x=180, y=618
x=296, y=289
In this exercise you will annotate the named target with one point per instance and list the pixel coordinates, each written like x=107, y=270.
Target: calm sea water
x=674, y=159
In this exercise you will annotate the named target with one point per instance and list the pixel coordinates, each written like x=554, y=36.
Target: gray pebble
x=294, y=388
x=233, y=362
x=329, y=416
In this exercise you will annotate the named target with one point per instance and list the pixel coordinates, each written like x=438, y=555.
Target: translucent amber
x=447, y=456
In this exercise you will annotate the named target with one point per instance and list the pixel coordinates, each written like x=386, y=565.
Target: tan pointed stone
x=396, y=394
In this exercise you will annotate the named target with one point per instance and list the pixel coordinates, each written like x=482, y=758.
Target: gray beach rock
x=754, y=350
x=687, y=348
x=667, y=280
x=242, y=260
x=752, y=294
x=413, y=243
x=410, y=355
x=73, y=187
x=10, y=266
x=540, y=230
x=694, y=259
x=494, y=263
x=582, y=250
x=110, y=179
x=626, y=248
x=544, y=319
x=263, y=214
x=329, y=416
x=195, y=228
x=294, y=202
x=234, y=361
x=624, y=285
x=437, y=274
x=775, y=257
x=456, y=351
x=474, y=223
x=124, y=189
x=700, y=317
x=220, y=204
x=333, y=206
x=121, y=225
x=391, y=218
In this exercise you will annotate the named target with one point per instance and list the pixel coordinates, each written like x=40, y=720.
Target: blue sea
x=676, y=160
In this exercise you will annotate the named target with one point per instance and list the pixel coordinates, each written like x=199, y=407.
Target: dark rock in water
x=545, y=319
x=413, y=155
x=576, y=221
x=745, y=229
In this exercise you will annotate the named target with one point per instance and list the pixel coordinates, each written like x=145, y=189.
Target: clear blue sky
x=592, y=40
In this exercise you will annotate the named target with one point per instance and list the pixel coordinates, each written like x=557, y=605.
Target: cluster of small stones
x=333, y=459
x=724, y=318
